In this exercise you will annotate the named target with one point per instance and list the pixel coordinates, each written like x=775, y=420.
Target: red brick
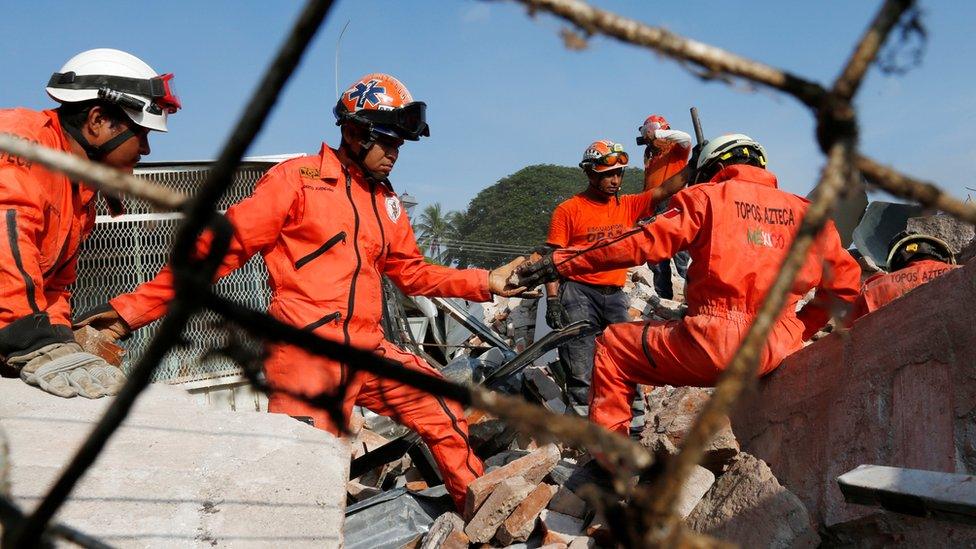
x=499, y=505
x=520, y=524
x=531, y=468
x=92, y=341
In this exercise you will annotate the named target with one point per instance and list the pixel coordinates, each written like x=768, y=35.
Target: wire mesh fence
x=125, y=251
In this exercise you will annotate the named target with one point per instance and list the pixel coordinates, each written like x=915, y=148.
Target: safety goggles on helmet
x=613, y=157
x=121, y=89
x=408, y=121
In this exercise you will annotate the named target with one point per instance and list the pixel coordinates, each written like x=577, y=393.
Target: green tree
x=436, y=231
x=516, y=211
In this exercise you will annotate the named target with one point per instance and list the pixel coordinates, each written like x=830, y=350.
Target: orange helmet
x=604, y=155
x=383, y=105
x=653, y=122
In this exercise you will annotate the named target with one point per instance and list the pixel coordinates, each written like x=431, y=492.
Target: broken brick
x=520, y=524
x=504, y=498
x=531, y=468
x=447, y=532
x=358, y=491
x=92, y=341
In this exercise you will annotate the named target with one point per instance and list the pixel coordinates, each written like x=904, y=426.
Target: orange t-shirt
x=581, y=221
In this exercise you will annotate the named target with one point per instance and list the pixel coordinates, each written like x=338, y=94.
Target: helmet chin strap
x=97, y=153
x=360, y=157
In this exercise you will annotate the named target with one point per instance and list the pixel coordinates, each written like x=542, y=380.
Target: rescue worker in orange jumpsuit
x=110, y=100
x=329, y=227
x=665, y=154
x=913, y=260
x=737, y=227
x=596, y=213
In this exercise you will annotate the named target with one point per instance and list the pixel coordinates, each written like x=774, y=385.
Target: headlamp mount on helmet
x=120, y=89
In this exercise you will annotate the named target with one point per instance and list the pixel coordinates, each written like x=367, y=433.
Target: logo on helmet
x=369, y=92
x=393, y=208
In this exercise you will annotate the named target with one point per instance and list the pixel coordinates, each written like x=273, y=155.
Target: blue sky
x=502, y=90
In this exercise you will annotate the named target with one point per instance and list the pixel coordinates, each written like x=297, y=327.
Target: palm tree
x=433, y=228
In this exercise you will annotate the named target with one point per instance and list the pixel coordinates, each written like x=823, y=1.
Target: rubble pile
x=530, y=495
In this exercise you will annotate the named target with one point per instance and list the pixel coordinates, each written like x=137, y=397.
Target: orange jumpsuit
x=737, y=229
x=327, y=235
x=45, y=218
x=883, y=288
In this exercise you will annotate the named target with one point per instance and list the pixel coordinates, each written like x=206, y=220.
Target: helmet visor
x=164, y=93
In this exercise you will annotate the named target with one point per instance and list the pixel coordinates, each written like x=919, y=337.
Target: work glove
x=65, y=370
x=555, y=313
x=105, y=319
x=500, y=280
x=532, y=273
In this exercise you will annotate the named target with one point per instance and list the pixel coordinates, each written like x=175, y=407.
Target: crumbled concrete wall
x=179, y=474
x=898, y=389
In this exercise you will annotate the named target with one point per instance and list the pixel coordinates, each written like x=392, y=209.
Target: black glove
x=532, y=273
x=555, y=313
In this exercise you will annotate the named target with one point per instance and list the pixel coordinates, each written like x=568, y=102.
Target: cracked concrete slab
x=178, y=474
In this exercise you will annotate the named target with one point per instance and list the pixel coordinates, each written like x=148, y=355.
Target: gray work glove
x=65, y=370
x=555, y=313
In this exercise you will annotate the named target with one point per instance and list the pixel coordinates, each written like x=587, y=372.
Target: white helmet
x=118, y=77
x=729, y=146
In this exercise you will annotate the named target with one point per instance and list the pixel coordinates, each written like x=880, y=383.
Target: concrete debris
x=179, y=473
x=748, y=506
x=957, y=234
x=520, y=524
x=560, y=528
x=567, y=503
x=670, y=413
x=698, y=484
x=4, y=464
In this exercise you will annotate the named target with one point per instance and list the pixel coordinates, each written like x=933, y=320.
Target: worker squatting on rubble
x=110, y=100
x=329, y=227
x=913, y=260
x=737, y=227
x=662, y=160
x=596, y=213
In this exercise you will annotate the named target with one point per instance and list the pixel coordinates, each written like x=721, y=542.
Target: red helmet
x=383, y=105
x=603, y=156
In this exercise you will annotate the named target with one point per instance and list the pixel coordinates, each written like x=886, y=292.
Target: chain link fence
x=127, y=250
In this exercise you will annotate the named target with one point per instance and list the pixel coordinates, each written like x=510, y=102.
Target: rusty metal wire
x=193, y=275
